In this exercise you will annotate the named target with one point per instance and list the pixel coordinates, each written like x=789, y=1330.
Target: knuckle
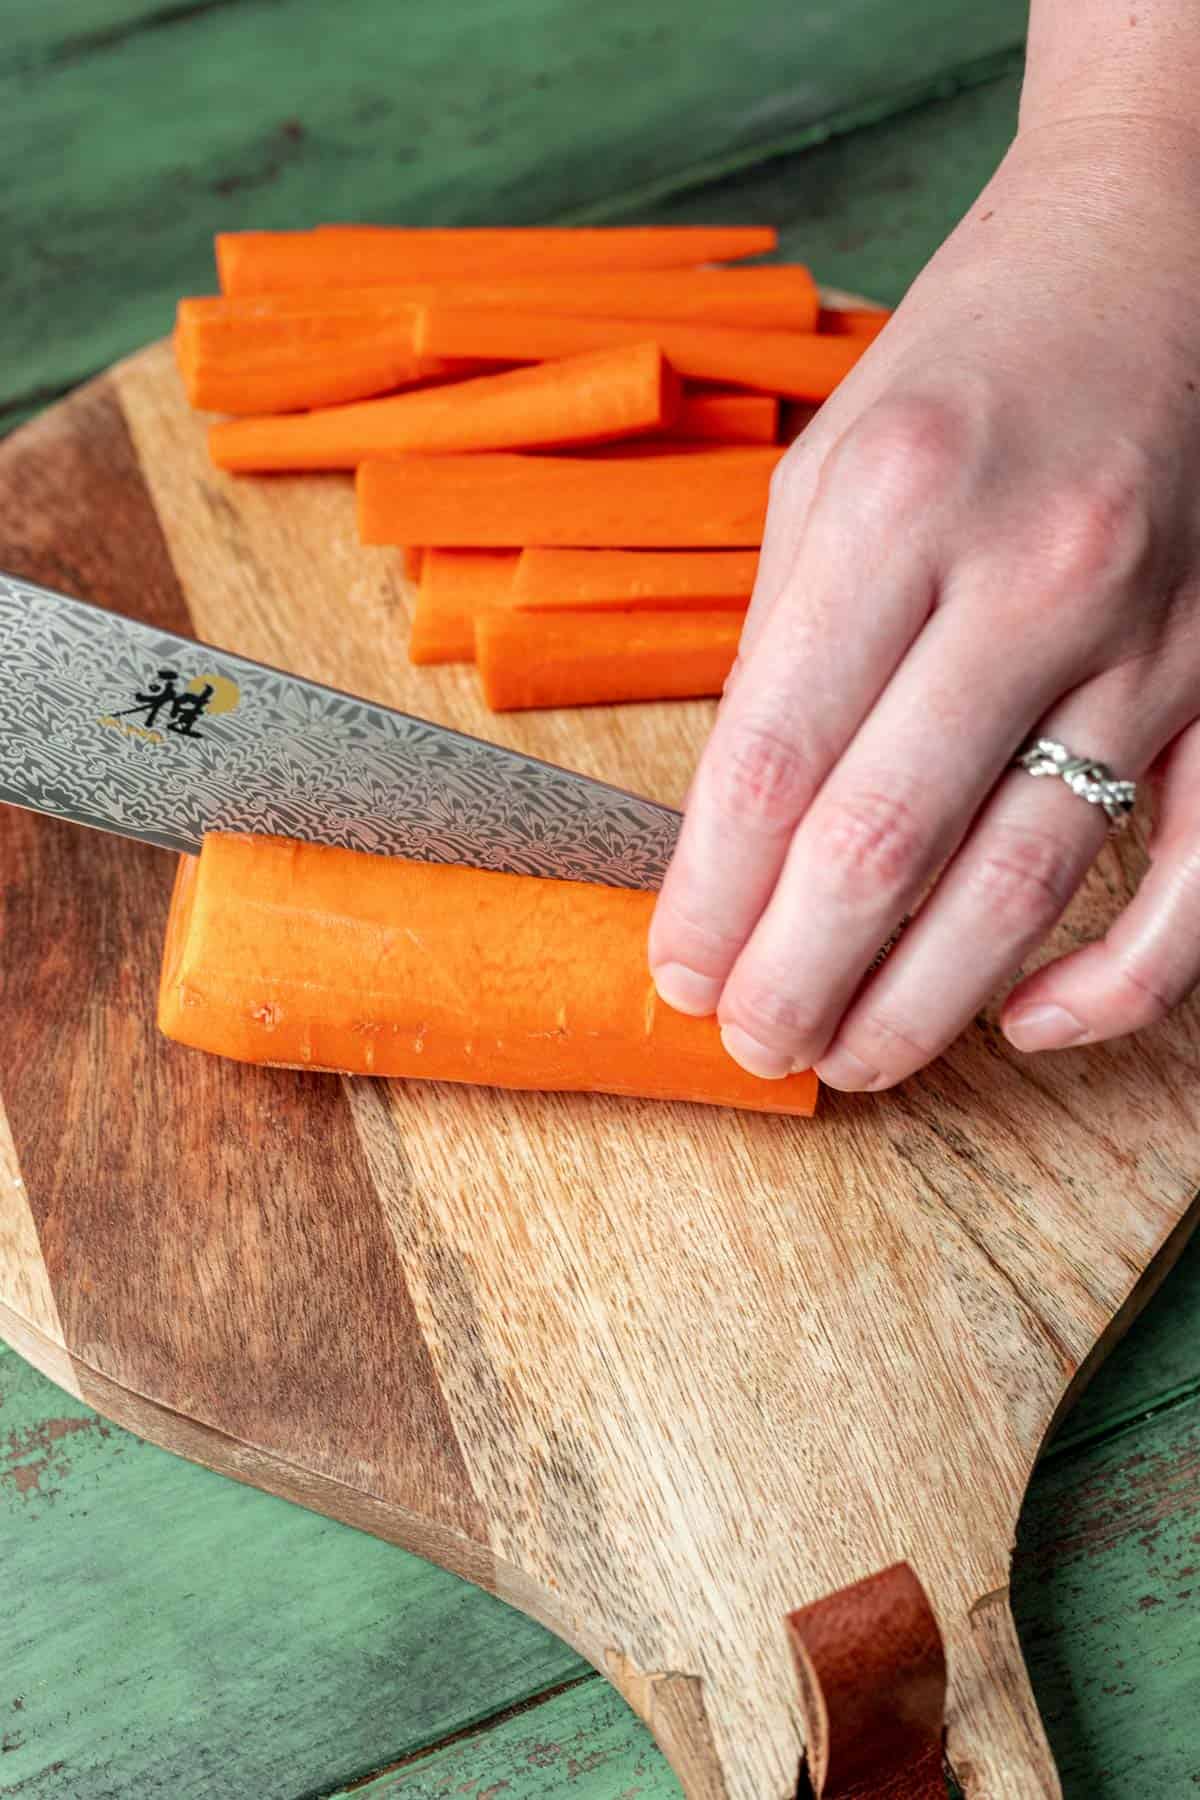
x=1145, y=1001
x=904, y=451
x=688, y=931
x=871, y=844
x=1024, y=879
x=761, y=777
x=1096, y=532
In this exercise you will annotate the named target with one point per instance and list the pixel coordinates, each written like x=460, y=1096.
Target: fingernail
x=755, y=1058
x=1044, y=1028
x=686, y=991
x=842, y=1069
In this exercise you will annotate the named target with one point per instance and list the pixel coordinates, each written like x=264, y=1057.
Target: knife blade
x=116, y=724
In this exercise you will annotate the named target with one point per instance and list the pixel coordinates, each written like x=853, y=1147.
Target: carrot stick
x=865, y=322
x=287, y=380
x=775, y=296
x=713, y=499
x=730, y=418
x=412, y=560
x=369, y=256
x=802, y=365
x=319, y=958
x=234, y=334
x=582, y=399
x=633, y=580
x=588, y=659
x=456, y=587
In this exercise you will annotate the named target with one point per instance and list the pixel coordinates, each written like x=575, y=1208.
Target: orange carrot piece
x=776, y=296
x=583, y=399
x=370, y=256
x=269, y=381
x=864, y=322
x=319, y=958
x=716, y=499
x=633, y=580
x=802, y=365
x=589, y=659
x=456, y=586
x=241, y=333
x=729, y=418
x=412, y=560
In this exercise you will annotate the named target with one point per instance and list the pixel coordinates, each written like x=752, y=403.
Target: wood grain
x=672, y=1375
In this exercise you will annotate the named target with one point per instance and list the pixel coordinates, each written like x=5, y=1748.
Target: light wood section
x=29, y=1318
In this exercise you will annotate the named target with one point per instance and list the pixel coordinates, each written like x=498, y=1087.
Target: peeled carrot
x=802, y=365
x=412, y=559
x=780, y=296
x=286, y=380
x=234, y=334
x=582, y=399
x=456, y=586
x=316, y=958
x=587, y=659
x=369, y=256
x=716, y=498
x=729, y=418
x=633, y=580
x=864, y=322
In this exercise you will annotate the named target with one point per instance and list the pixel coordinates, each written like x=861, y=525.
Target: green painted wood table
x=166, y=1631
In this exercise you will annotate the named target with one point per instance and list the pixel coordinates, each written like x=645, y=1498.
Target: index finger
x=855, y=597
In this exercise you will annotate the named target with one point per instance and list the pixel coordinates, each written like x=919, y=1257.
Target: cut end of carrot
x=457, y=586
x=534, y=660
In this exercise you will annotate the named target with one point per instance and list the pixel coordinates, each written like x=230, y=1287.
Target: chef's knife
x=113, y=723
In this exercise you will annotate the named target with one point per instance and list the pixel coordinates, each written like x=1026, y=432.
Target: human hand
x=992, y=530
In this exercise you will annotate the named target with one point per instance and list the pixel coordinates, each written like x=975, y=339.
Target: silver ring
x=1092, y=781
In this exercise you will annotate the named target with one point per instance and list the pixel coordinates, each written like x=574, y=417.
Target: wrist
x=1129, y=61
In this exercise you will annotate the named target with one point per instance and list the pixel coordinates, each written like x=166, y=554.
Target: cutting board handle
x=872, y=1670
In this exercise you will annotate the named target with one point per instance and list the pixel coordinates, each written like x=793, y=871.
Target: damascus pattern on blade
x=114, y=724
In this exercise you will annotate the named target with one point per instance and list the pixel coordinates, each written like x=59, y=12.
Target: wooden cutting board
x=656, y=1374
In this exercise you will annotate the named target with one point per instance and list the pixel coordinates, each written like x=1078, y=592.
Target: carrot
x=298, y=954
x=712, y=499
x=369, y=256
x=234, y=334
x=287, y=380
x=731, y=418
x=587, y=659
x=456, y=586
x=802, y=365
x=865, y=322
x=580, y=400
x=779, y=296
x=412, y=560
x=633, y=580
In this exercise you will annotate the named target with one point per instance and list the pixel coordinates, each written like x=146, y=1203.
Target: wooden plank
x=167, y=1631
x=584, y=1744
x=262, y=1678
x=1107, y=1596
x=1158, y=1364
x=867, y=210
x=241, y=115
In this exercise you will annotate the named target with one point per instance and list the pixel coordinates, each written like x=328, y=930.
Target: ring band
x=1092, y=781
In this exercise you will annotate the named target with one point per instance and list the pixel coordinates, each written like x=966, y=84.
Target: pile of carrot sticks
x=571, y=431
